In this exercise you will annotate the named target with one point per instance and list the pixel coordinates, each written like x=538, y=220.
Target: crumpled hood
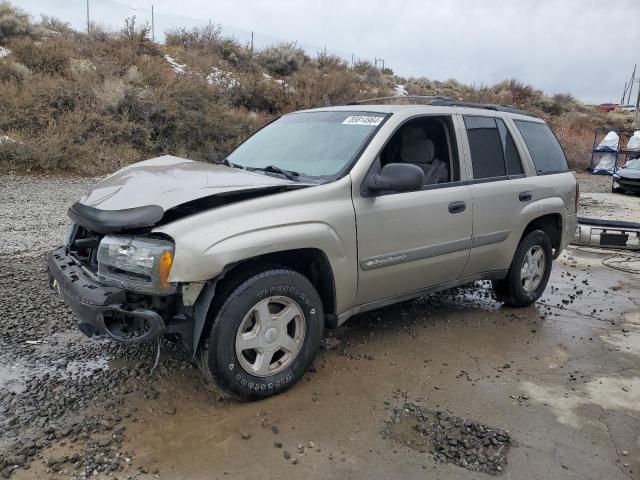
x=171, y=181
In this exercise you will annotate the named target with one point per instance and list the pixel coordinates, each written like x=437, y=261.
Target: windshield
x=313, y=144
x=633, y=164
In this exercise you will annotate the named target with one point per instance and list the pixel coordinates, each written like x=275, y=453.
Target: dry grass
x=92, y=103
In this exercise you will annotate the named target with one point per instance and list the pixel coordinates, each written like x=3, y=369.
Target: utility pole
x=633, y=78
x=635, y=118
x=251, y=42
x=624, y=94
x=153, y=26
x=88, y=24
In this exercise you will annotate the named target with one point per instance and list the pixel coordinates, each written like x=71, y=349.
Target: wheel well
x=310, y=262
x=551, y=224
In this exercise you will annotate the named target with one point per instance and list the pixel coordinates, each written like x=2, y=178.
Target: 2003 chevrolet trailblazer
x=318, y=216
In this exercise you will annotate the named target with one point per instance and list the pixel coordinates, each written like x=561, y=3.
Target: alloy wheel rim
x=270, y=336
x=532, y=270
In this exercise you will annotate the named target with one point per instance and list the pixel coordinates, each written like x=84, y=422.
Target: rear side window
x=545, y=150
x=487, y=156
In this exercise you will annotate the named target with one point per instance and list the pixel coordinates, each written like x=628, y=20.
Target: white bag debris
x=634, y=141
x=607, y=164
x=609, y=143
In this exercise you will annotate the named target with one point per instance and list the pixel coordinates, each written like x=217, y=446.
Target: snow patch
x=177, y=67
x=400, y=91
x=4, y=52
x=7, y=139
x=221, y=78
x=276, y=80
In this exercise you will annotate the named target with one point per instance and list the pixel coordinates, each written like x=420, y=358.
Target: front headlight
x=136, y=263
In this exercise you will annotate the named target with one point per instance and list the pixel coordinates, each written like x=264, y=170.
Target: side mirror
x=396, y=177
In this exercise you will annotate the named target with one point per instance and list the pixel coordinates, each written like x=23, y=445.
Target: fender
x=536, y=209
x=196, y=262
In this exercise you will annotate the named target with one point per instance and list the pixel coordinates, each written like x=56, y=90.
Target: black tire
x=217, y=357
x=510, y=290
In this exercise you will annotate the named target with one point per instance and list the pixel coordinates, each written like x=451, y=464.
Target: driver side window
x=429, y=143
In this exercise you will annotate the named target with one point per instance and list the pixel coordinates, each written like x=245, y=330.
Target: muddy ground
x=448, y=386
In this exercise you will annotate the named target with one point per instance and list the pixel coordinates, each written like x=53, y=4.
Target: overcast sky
x=585, y=47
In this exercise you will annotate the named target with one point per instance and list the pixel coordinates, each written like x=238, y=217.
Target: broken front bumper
x=100, y=309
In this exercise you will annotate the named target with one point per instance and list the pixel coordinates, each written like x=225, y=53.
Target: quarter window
x=545, y=150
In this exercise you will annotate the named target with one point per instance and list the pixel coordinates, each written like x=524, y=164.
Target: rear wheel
x=265, y=334
x=529, y=272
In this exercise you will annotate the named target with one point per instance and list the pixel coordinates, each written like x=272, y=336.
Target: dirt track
x=562, y=378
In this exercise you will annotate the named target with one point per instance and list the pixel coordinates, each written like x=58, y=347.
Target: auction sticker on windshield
x=363, y=120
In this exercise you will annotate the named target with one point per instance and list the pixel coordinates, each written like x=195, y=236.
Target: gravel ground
x=594, y=183
x=598, y=202
x=54, y=384
x=71, y=407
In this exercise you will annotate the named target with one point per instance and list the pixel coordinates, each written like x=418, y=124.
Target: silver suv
x=320, y=215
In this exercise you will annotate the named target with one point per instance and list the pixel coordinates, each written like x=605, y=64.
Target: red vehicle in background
x=607, y=107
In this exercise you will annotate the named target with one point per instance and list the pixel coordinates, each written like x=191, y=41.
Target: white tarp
x=607, y=164
x=609, y=143
x=634, y=141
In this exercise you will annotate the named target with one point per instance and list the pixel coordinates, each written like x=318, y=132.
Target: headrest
x=414, y=132
x=417, y=150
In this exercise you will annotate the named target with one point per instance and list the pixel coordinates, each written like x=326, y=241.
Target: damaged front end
x=114, y=269
x=118, y=286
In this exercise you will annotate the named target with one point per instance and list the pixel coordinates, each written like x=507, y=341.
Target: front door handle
x=525, y=196
x=457, y=207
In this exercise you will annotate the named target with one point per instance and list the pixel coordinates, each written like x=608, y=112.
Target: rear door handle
x=457, y=207
x=525, y=196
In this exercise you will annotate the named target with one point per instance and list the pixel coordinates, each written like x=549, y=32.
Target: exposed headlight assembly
x=136, y=263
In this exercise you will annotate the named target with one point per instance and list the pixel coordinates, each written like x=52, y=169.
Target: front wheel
x=265, y=334
x=529, y=272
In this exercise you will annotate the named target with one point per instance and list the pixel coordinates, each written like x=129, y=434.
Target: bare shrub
x=82, y=68
x=282, y=59
x=310, y=88
x=328, y=61
x=15, y=22
x=55, y=25
x=93, y=103
x=110, y=94
x=49, y=57
x=14, y=71
x=135, y=33
x=205, y=37
x=369, y=73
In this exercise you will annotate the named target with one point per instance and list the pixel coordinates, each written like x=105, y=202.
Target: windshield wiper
x=227, y=163
x=291, y=175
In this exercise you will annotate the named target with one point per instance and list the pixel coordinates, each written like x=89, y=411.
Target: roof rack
x=487, y=106
x=444, y=102
x=412, y=98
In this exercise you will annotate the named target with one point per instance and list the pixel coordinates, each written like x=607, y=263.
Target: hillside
x=90, y=104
